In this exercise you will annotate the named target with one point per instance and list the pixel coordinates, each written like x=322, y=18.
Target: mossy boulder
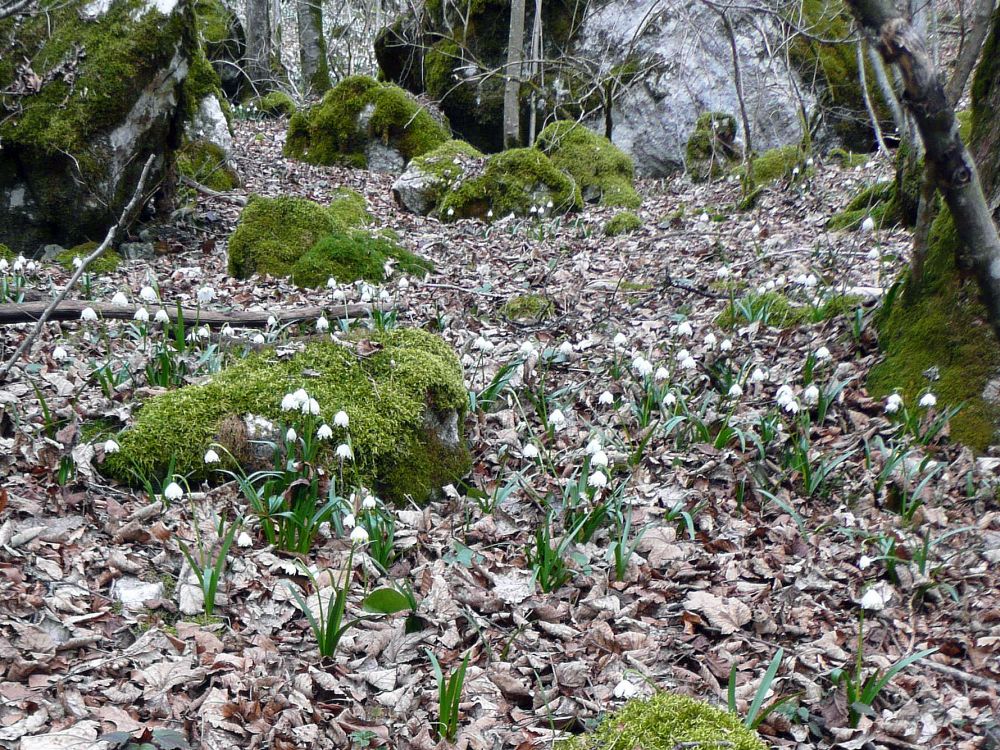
x=624, y=222
x=528, y=308
x=207, y=163
x=107, y=263
x=603, y=172
x=224, y=42
x=512, y=182
x=711, y=150
x=276, y=104
x=366, y=124
x=666, y=722
x=355, y=255
x=88, y=91
x=877, y=201
x=402, y=390
x=774, y=164
x=421, y=187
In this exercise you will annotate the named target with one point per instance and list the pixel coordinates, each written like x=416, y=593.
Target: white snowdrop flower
x=593, y=446
x=341, y=419
x=119, y=300
x=710, y=340
x=868, y=225
x=598, y=479
x=384, y=296
x=110, y=446
x=811, y=395
x=784, y=395
x=451, y=211
x=620, y=340
x=211, y=457
x=339, y=296
x=59, y=354
x=147, y=294
x=349, y=521
x=928, y=400
x=823, y=353
x=161, y=316
x=528, y=450
x=77, y=262
x=141, y=315
x=404, y=283
x=258, y=338
x=625, y=690
x=811, y=281
x=688, y=363
x=780, y=281
x=759, y=375
x=325, y=432
x=606, y=399
x=244, y=540
x=291, y=436
x=661, y=374
x=483, y=344
x=792, y=407
x=684, y=329
x=322, y=324
x=534, y=209
x=331, y=283
x=757, y=229
x=873, y=254
x=682, y=355
x=873, y=599
x=722, y=272
x=541, y=210
x=809, y=162
x=204, y=332
x=893, y=403
x=735, y=391
x=527, y=349
x=289, y=402
x=549, y=204
x=173, y=491
x=344, y=452
x=311, y=407
x=795, y=171
x=557, y=419
x=369, y=502
x=359, y=535
x=600, y=458
x=865, y=562
x=565, y=348
x=726, y=345
x=205, y=295
x=801, y=279
x=88, y=315
x=31, y=267
x=489, y=214
x=271, y=321
x=642, y=366
x=4, y=265
x=669, y=399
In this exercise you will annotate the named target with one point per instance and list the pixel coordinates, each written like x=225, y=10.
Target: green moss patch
x=528, y=308
x=513, y=182
x=877, y=201
x=107, y=263
x=777, y=311
x=667, y=722
x=349, y=256
x=711, y=150
x=603, y=172
x=276, y=104
x=206, y=163
x=623, y=222
x=6, y=253
x=773, y=165
x=848, y=159
x=394, y=397
x=357, y=111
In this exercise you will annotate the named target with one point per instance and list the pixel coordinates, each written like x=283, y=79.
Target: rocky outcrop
x=88, y=91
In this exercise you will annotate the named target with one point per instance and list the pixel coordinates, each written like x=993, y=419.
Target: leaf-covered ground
x=759, y=517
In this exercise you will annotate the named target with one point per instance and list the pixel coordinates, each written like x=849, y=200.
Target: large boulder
x=89, y=89
x=366, y=124
x=603, y=172
x=225, y=44
x=402, y=391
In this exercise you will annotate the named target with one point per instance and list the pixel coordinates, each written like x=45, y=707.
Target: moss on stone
x=512, y=182
x=357, y=111
x=666, y=722
x=711, y=149
x=276, y=104
x=528, y=308
x=350, y=256
x=941, y=325
x=877, y=201
x=623, y=222
x=392, y=395
x=107, y=263
x=847, y=159
x=773, y=165
x=603, y=172
x=206, y=163
x=446, y=161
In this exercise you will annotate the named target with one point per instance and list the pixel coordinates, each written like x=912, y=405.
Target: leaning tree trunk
x=940, y=334
x=512, y=88
x=312, y=46
x=258, y=62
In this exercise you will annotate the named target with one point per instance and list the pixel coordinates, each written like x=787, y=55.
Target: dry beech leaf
x=728, y=615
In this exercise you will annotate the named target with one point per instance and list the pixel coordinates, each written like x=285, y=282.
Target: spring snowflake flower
x=77, y=262
x=735, y=391
x=710, y=340
x=893, y=403
x=682, y=355
x=291, y=436
x=205, y=295
x=620, y=340
x=161, y=316
x=527, y=349
x=688, y=363
x=726, y=345
x=593, y=446
x=322, y=324
x=792, y=407
x=349, y=521
x=147, y=294
x=759, y=375
x=669, y=399
x=311, y=406
x=331, y=283
x=325, y=432
x=865, y=562
x=661, y=374
x=339, y=296
x=110, y=446
x=451, y=211
x=271, y=321
x=204, y=332
x=811, y=395
x=483, y=345
x=141, y=315
x=369, y=502
x=784, y=395
x=119, y=300
x=873, y=600
x=600, y=458
x=258, y=338
x=359, y=535
x=642, y=366
x=344, y=452
x=722, y=272
x=173, y=491
x=528, y=450
x=59, y=354
x=928, y=400
x=340, y=419
x=684, y=329
x=289, y=402
x=244, y=540
x=606, y=399
x=88, y=315
x=211, y=457
x=4, y=265
x=822, y=353
x=868, y=225
x=489, y=214
x=557, y=419
x=598, y=479
x=566, y=348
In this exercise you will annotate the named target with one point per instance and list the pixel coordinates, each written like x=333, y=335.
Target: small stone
x=133, y=593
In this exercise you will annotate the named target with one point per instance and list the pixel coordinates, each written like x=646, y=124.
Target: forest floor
x=758, y=521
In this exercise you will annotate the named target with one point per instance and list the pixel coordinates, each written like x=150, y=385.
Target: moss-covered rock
x=771, y=166
x=603, y=172
x=877, y=201
x=666, y=722
x=421, y=187
x=528, y=308
x=847, y=159
x=276, y=104
x=711, y=149
x=107, y=263
x=364, y=123
x=350, y=256
x=206, y=163
x=405, y=398
x=624, y=222
x=512, y=182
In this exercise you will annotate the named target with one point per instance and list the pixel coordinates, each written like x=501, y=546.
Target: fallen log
x=30, y=312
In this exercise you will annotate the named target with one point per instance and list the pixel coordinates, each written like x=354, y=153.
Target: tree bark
x=512, y=88
x=312, y=47
x=258, y=61
x=953, y=168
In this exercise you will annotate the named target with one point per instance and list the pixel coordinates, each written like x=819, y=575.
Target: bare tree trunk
x=512, y=89
x=737, y=75
x=888, y=93
x=945, y=153
x=312, y=47
x=979, y=27
x=872, y=114
x=535, y=68
x=258, y=62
